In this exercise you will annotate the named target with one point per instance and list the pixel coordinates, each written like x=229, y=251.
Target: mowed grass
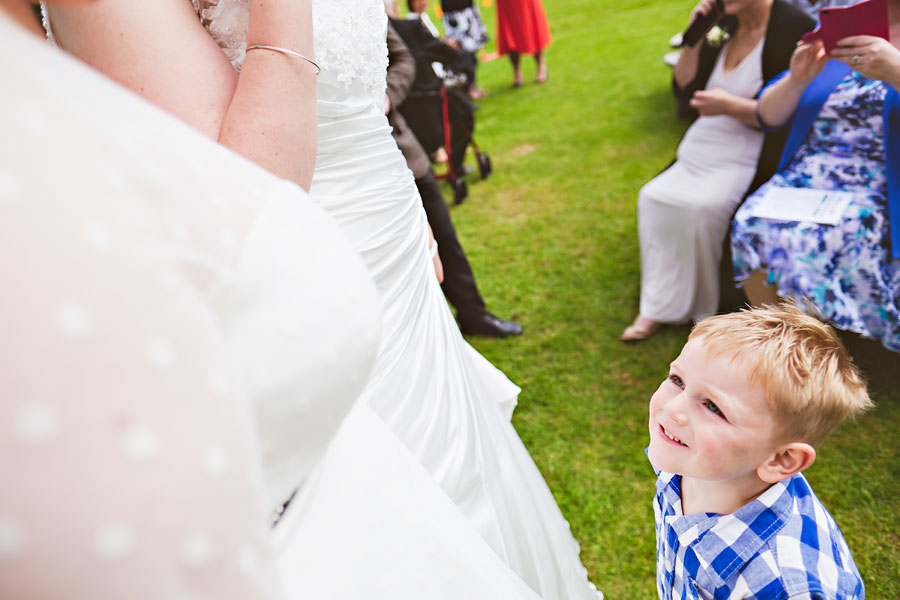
x=552, y=238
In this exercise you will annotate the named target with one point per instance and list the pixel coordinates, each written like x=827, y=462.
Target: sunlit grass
x=552, y=238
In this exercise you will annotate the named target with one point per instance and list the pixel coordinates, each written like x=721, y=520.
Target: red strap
x=445, y=104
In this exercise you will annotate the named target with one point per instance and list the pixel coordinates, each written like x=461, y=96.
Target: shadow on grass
x=880, y=366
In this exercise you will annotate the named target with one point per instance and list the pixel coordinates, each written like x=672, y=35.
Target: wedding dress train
x=448, y=405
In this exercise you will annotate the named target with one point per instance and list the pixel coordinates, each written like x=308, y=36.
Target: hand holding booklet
x=869, y=17
x=798, y=204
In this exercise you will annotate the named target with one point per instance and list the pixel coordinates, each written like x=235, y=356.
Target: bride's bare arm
x=160, y=50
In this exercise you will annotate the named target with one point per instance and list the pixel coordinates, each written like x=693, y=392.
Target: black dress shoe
x=489, y=325
x=460, y=190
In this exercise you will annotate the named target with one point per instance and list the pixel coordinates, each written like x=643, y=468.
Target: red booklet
x=869, y=17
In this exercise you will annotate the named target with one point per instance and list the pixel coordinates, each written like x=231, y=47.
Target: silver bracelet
x=286, y=52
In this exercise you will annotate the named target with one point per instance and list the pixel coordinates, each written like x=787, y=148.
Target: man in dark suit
x=459, y=281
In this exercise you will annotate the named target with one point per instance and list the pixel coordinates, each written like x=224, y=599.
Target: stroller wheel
x=484, y=165
x=460, y=190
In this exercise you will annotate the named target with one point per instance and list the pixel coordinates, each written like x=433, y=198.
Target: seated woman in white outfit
x=448, y=405
x=684, y=212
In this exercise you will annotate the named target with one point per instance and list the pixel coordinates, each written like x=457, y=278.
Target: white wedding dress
x=162, y=286
x=448, y=405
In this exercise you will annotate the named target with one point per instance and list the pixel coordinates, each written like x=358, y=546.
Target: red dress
x=521, y=26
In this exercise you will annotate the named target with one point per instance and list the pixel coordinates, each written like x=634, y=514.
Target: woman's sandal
x=642, y=329
x=517, y=78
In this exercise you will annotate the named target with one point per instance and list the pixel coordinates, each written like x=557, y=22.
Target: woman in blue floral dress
x=845, y=135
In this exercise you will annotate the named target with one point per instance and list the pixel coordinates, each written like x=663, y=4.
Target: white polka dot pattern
x=12, y=539
x=217, y=384
x=112, y=541
x=9, y=189
x=99, y=236
x=248, y=560
x=74, y=320
x=36, y=424
x=216, y=461
x=140, y=443
x=159, y=353
x=197, y=549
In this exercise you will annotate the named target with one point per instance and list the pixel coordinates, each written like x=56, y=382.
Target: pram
x=446, y=117
x=454, y=173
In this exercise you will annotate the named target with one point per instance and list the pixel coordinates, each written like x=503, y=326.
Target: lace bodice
x=349, y=39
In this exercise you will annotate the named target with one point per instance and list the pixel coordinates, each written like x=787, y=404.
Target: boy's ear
x=787, y=460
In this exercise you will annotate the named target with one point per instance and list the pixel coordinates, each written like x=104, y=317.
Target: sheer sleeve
x=127, y=468
x=127, y=462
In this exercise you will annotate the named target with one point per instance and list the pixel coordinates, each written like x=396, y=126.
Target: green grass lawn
x=552, y=239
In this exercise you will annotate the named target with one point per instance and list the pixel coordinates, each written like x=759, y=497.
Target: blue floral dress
x=844, y=271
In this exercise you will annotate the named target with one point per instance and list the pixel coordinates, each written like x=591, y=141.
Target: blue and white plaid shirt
x=782, y=545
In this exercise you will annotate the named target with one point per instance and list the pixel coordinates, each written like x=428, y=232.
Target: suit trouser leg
x=459, y=282
x=462, y=126
x=424, y=116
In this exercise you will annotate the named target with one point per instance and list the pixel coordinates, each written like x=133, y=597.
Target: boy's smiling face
x=708, y=421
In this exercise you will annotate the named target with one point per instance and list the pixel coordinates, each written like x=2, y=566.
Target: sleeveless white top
x=723, y=137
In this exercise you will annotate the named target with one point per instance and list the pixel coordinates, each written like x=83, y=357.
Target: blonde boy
x=740, y=415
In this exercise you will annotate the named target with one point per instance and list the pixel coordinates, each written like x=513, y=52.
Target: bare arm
x=160, y=50
x=779, y=101
x=686, y=68
x=719, y=102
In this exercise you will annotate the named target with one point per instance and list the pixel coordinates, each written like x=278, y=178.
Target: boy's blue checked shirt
x=782, y=545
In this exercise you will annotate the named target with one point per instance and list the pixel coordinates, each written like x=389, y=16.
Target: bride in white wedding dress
x=448, y=405
x=153, y=302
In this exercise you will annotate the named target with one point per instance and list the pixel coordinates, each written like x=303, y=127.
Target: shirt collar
x=687, y=528
x=744, y=531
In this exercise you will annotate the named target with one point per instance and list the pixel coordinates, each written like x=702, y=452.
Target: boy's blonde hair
x=809, y=379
